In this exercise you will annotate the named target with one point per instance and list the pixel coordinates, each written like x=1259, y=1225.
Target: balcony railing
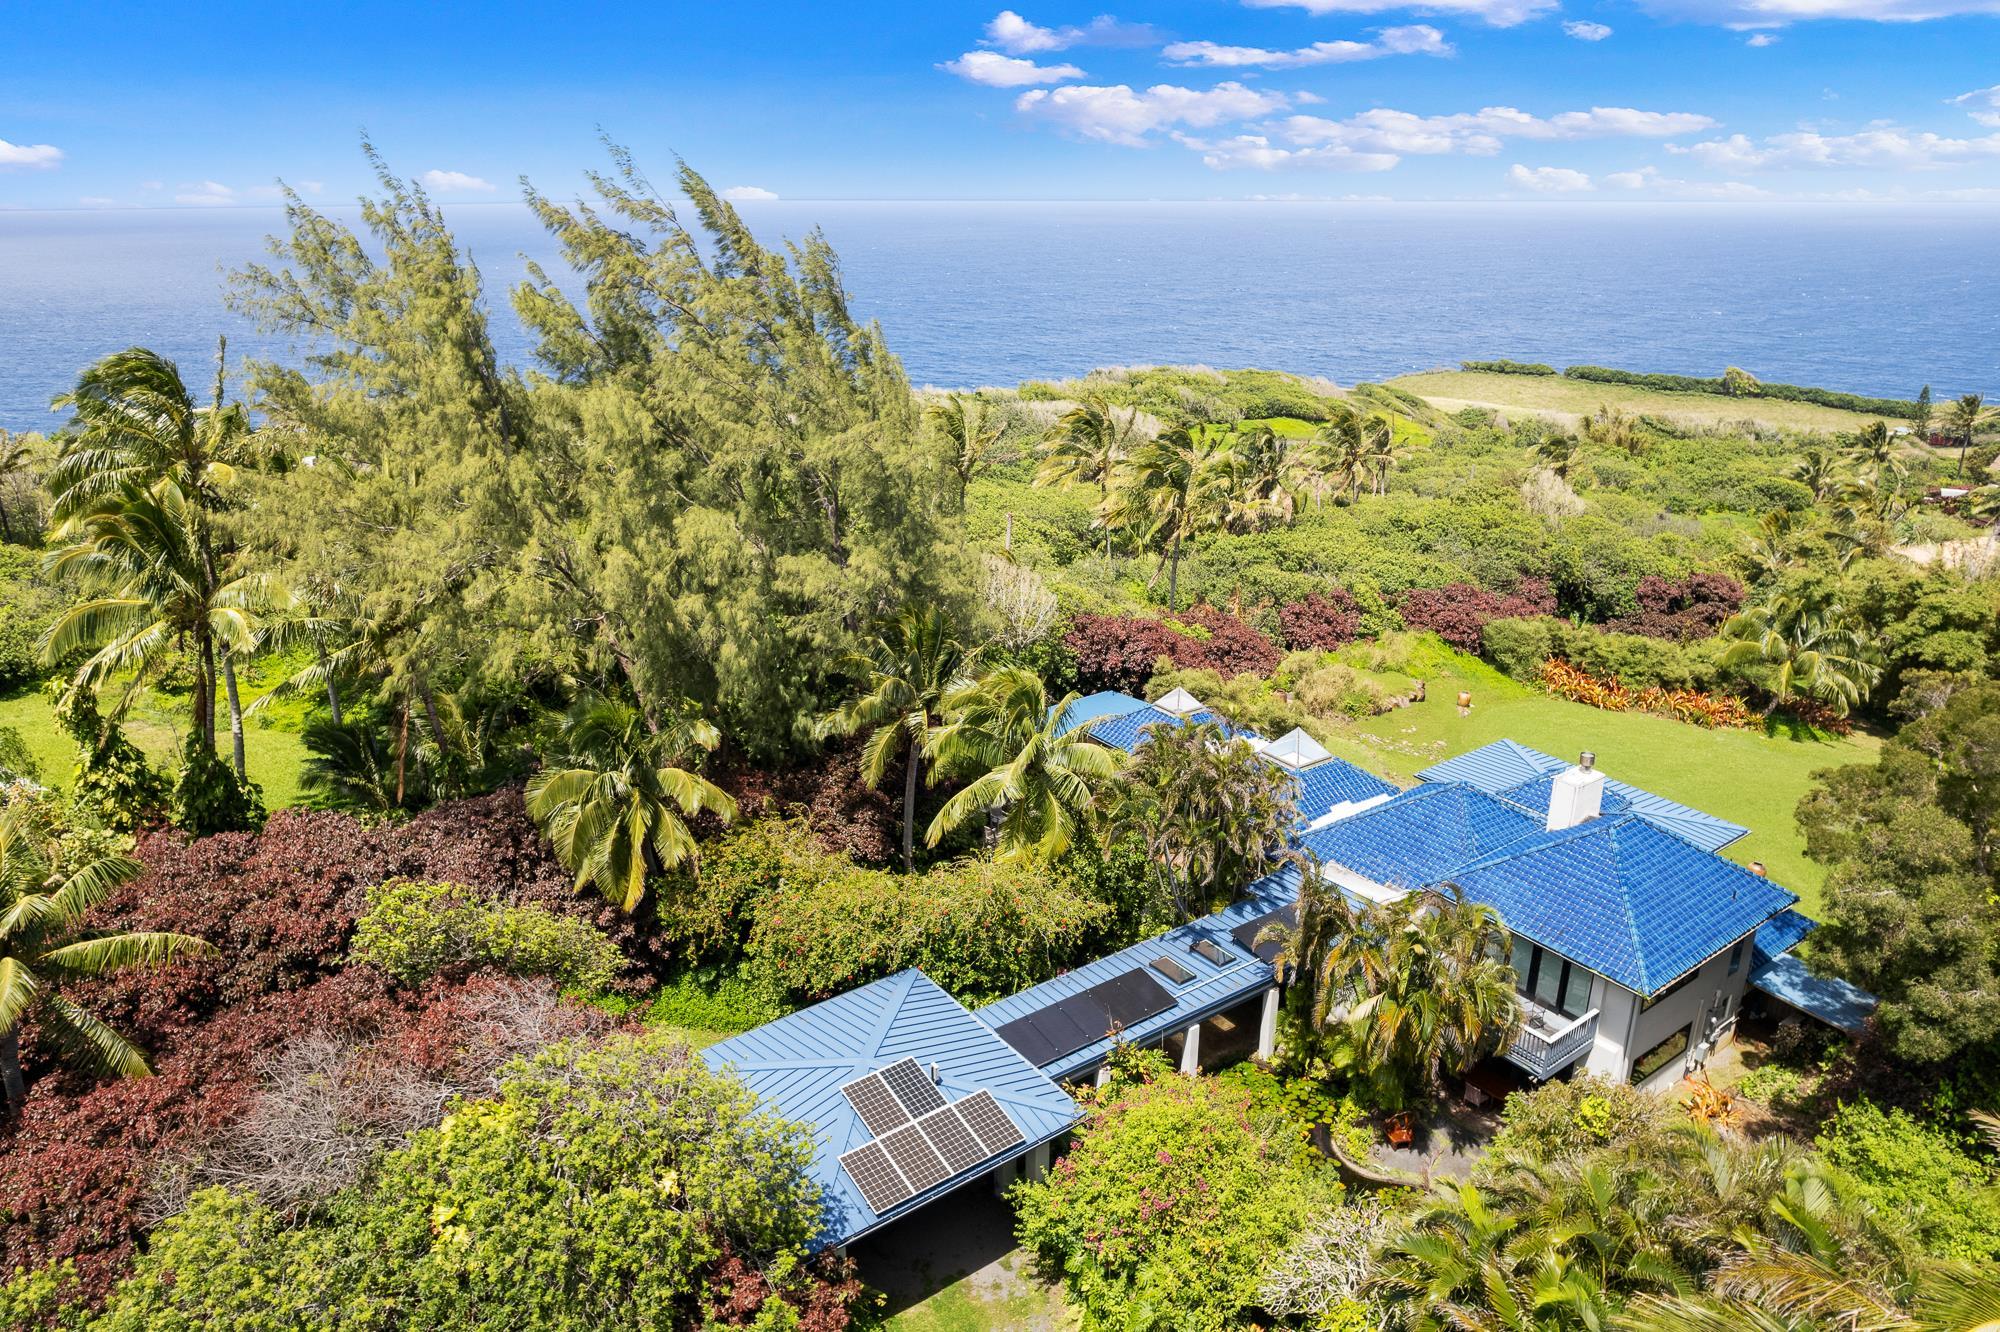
x=1550, y=1042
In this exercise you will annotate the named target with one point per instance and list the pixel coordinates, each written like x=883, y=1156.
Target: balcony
x=1549, y=1042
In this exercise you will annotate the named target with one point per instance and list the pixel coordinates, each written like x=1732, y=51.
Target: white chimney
x=1577, y=794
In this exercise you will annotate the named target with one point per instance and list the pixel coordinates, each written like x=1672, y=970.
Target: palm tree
x=1774, y=548
x=1085, y=446
x=906, y=674
x=1037, y=771
x=1342, y=444
x=1379, y=451
x=1818, y=470
x=1174, y=487
x=138, y=427
x=1614, y=428
x=43, y=898
x=150, y=587
x=14, y=461
x=1966, y=418
x=969, y=427
x=1871, y=447
x=1262, y=488
x=1558, y=452
x=614, y=811
x=1814, y=648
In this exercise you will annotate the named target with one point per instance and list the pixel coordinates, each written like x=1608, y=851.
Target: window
x=1555, y=983
x=1657, y=1058
x=1736, y=957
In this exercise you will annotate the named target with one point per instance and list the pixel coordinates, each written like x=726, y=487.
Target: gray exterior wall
x=1709, y=1003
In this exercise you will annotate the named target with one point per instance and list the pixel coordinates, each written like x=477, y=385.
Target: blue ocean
x=1871, y=299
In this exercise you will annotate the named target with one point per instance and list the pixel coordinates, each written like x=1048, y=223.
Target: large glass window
x=1553, y=982
x=1657, y=1058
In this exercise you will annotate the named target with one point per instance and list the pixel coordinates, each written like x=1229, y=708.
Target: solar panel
x=913, y=1087
x=989, y=1123
x=881, y=1185
x=1172, y=970
x=1028, y=1039
x=1088, y=1012
x=1132, y=997
x=1211, y=950
x=946, y=1129
x=915, y=1157
x=1246, y=933
x=877, y=1106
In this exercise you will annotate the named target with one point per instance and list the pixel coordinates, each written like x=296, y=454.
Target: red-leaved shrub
x=1316, y=623
x=1458, y=612
x=1119, y=651
x=1690, y=608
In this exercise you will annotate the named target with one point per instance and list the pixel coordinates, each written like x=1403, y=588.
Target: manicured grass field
x=1554, y=395
x=1747, y=777
x=273, y=756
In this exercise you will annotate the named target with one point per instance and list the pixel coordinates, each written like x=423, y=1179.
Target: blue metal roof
x=1421, y=835
x=1780, y=935
x=1515, y=772
x=1624, y=897
x=1095, y=707
x=1828, y=998
x=798, y=1064
x=1214, y=987
x=1330, y=781
x=1126, y=730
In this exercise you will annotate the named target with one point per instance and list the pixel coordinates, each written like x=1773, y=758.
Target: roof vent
x=1180, y=702
x=1586, y=760
x=936, y=1075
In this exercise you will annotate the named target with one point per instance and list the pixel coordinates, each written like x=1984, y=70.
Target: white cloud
x=1982, y=104
x=1649, y=180
x=1117, y=114
x=207, y=194
x=1498, y=13
x=1778, y=13
x=34, y=156
x=1761, y=39
x=1257, y=153
x=998, y=71
x=455, y=181
x=1483, y=132
x=1882, y=147
x=748, y=194
x=1417, y=39
x=1016, y=36
x=1585, y=31
x=1548, y=180
x=312, y=187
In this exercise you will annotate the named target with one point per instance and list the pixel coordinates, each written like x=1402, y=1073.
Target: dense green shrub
x=1739, y=383
x=1504, y=367
x=414, y=931
x=712, y=1000
x=1580, y=1116
x=706, y=914
x=27, y=606
x=1923, y=1174
x=1519, y=644
x=978, y=928
x=1173, y=1201
x=209, y=797
x=111, y=784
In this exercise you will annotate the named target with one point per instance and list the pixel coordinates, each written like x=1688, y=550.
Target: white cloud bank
x=748, y=194
x=30, y=156
x=1882, y=147
x=1779, y=13
x=1416, y=39
x=998, y=71
x=1013, y=34
x=1498, y=13
x=1585, y=31
x=1548, y=179
x=455, y=181
x=1482, y=133
x=1119, y=114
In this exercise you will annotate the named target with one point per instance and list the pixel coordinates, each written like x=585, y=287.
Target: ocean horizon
x=1876, y=299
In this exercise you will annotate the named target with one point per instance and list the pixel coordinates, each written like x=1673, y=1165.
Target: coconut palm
x=1813, y=647
x=1774, y=548
x=1818, y=470
x=1871, y=447
x=1966, y=418
x=1613, y=428
x=1379, y=453
x=1031, y=768
x=1263, y=487
x=615, y=807
x=1337, y=950
x=905, y=674
x=1173, y=487
x=44, y=894
x=1085, y=446
x=1342, y=446
x=972, y=431
x=150, y=587
x=1558, y=452
x=14, y=462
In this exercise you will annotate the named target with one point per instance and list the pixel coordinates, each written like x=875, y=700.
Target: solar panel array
x=1246, y=933
x=1084, y=1018
x=921, y=1140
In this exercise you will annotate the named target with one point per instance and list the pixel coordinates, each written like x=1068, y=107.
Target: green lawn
x=273, y=756
x=1747, y=777
x=988, y=1301
x=1552, y=394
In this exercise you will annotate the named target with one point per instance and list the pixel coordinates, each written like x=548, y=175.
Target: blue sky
x=1594, y=100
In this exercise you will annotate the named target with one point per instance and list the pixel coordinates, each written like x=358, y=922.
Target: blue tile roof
x=1515, y=772
x=1096, y=707
x=1421, y=835
x=1127, y=730
x=1330, y=781
x=1624, y=897
x=1213, y=988
x=798, y=1064
x=1828, y=998
x=1780, y=935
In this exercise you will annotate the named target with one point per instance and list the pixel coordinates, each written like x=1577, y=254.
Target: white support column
x=1191, y=1051
x=1004, y=1177
x=1038, y=1163
x=1104, y=1075
x=1267, y=1025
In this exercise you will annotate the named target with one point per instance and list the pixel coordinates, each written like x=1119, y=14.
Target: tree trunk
x=1174, y=576
x=235, y=713
x=431, y=713
x=332, y=690
x=204, y=692
x=10, y=1071
x=402, y=750
x=910, y=809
